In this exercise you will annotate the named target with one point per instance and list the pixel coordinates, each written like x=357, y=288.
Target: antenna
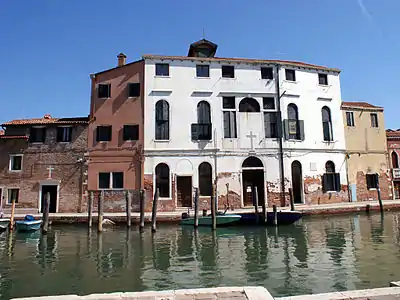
x=204, y=34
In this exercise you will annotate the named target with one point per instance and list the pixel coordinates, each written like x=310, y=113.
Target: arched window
x=249, y=105
x=329, y=167
x=162, y=120
x=293, y=122
x=252, y=162
x=395, y=160
x=205, y=179
x=327, y=124
x=331, y=179
x=203, y=113
x=162, y=180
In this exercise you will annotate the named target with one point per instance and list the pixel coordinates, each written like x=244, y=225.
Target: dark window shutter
x=324, y=182
x=134, y=89
x=286, y=129
x=165, y=112
x=60, y=131
x=195, y=132
x=267, y=125
x=301, y=129
x=279, y=129
x=98, y=134
x=337, y=182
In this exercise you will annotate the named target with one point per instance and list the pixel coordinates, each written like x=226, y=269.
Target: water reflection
x=316, y=255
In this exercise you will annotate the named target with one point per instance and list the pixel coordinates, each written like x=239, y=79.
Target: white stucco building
x=210, y=119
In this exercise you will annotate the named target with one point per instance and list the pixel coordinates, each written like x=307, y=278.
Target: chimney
x=47, y=116
x=121, y=59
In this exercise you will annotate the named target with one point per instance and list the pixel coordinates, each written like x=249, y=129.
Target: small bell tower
x=202, y=48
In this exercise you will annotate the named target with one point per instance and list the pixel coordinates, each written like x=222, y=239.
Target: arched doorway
x=297, y=182
x=253, y=179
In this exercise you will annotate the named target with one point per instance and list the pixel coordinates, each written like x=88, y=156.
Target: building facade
x=367, y=155
x=44, y=156
x=393, y=146
x=115, y=137
x=220, y=120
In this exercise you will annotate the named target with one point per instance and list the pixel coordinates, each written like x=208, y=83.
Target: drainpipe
x=280, y=139
x=347, y=156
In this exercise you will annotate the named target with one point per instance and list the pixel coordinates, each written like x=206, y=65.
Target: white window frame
x=65, y=126
x=10, y=163
x=111, y=181
x=9, y=193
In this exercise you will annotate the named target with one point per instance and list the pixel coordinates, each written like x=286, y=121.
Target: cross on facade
x=251, y=136
x=50, y=169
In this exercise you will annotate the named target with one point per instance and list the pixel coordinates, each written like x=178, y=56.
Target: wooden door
x=184, y=191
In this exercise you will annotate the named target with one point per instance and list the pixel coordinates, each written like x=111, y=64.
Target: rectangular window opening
x=162, y=70
x=372, y=181
x=323, y=79
x=131, y=132
x=37, y=135
x=230, y=130
x=64, y=134
x=228, y=71
x=104, y=90
x=202, y=71
x=271, y=124
x=267, y=73
x=111, y=180
x=134, y=89
x=13, y=195
x=290, y=75
x=268, y=102
x=374, y=120
x=350, y=118
x=15, y=162
x=228, y=103
x=103, y=133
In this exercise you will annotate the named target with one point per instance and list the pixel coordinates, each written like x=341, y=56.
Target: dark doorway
x=184, y=191
x=253, y=179
x=52, y=189
x=297, y=182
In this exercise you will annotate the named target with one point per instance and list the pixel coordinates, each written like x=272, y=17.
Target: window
x=228, y=71
x=205, y=179
x=162, y=180
x=103, y=133
x=395, y=160
x=104, y=90
x=331, y=179
x=327, y=124
x=372, y=181
x=350, y=118
x=293, y=130
x=37, y=135
x=228, y=103
x=202, y=130
x=13, y=195
x=15, y=162
x=323, y=79
x=271, y=124
x=162, y=69
x=64, y=134
x=249, y=105
x=131, y=132
x=134, y=89
x=162, y=120
x=267, y=73
x=202, y=71
x=229, y=112
x=290, y=75
x=374, y=120
x=111, y=180
x=268, y=103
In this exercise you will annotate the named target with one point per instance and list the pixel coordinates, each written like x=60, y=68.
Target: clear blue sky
x=48, y=48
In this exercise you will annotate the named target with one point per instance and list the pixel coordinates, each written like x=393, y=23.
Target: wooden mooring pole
x=12, y=214
x=255, y=203
x=141, y=209
x=154, y=212
x=213, y=208
x=90, y=208
x=46, y=211
x=275, y=212
x=128, y=199
x=291, y=198
x=379, y=193
x=264, y=209
x=196, y=207
x=100, y=212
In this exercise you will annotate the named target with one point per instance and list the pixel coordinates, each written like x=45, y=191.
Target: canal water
x=318, y=254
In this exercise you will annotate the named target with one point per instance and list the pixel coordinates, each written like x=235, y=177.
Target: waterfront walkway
x=335, y=208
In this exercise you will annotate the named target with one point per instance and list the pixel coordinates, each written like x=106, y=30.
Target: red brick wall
x=363, y=194
x=36, y=159
x=313, y=193
x=163, y=204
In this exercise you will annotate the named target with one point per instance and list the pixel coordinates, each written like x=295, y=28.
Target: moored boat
x=28, y=224
x=222, y=220
x=4, y=224
x=284, y=217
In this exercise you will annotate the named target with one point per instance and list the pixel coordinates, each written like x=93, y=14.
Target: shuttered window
x=162, y=120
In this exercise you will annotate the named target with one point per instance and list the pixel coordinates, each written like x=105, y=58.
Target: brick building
x=367, y=156
x=393, y=145
x=115, y=136
x=40, y=156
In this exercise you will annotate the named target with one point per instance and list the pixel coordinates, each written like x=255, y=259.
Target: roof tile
x=360, y=105
x=47, y=119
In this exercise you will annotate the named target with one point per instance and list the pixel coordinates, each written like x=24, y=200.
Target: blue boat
x=283, y=218
x=28, y=224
